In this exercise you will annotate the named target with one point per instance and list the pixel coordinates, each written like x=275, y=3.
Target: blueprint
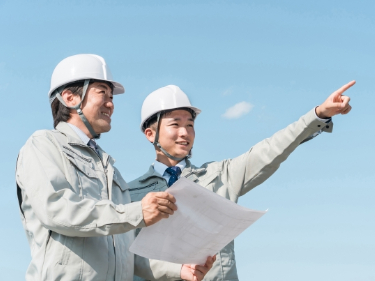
x=203, y=224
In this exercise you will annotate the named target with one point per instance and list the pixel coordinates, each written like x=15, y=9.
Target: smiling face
x=98, y=106
x=176, y=135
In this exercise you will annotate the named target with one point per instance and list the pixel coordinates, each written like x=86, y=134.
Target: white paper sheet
x=203, y=224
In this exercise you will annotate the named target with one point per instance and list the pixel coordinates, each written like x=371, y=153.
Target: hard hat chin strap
x=156, y=142
x=78, y=107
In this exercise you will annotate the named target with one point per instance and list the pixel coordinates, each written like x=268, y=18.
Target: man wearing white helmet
x=167, y=120
x=74, y=204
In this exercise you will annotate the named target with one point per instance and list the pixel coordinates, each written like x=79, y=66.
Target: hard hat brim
x=117, y=87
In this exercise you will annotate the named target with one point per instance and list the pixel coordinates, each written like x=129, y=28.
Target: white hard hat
x=82, y=67
x=165, y=98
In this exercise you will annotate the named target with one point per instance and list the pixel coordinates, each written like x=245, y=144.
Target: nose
x=109, y=103
x=182, y=131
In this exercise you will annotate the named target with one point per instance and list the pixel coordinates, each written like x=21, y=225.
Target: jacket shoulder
x=43, y=140
x=39, y=136
x=41, y=133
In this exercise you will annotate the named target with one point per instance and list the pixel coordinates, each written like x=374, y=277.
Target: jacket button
x=319, y=126
x=327, y=127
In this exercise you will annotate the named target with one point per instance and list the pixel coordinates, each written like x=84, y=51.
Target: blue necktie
x=175, y=172
x=93, y=145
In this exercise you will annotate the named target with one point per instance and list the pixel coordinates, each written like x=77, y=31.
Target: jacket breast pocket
x=87, y=179
x=137, y=193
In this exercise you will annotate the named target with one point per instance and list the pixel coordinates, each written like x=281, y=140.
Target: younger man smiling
x=168, y=122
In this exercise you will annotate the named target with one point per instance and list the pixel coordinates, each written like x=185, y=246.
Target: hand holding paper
x=196, y=272
x=203, y=224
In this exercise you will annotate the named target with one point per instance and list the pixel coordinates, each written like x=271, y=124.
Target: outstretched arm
x=257, y=165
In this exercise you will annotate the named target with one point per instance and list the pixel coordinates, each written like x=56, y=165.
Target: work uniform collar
x=150, y=173
x=160, y=167
x=75, y=140
x=191, y=169
x=84, y=138
x=68, y=131
x=188, y=170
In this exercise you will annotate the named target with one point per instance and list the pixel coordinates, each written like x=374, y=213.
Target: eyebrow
x=106, y=87
x=178, y=119
x=103, y=86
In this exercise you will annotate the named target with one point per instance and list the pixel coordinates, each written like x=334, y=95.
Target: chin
x=181, y=154
x=104, y=129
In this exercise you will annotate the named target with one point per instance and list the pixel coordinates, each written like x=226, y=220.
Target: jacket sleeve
x=156, y=270
x=262, y=160
x=41, y=177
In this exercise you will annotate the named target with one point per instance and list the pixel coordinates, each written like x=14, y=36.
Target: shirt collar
x=160, y=167
x=84, y=138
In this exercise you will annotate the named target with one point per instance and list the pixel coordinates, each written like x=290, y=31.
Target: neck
x=162, y=158
x=76, y=121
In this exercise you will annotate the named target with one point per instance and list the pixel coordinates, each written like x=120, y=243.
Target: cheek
x=168, y=135
x=93, y=105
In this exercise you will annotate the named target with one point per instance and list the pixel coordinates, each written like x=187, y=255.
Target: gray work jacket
x=76, y=212
x=232, y=178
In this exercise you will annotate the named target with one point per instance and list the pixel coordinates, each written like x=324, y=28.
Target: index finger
x=344, y=88
x=166, y=195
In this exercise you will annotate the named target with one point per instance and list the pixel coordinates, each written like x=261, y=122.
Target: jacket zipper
x=104, y=168
x=106, y=179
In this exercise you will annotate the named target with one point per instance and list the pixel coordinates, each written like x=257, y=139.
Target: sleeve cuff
x=325, y=120
x=175, y=271
x=313, y=121
x=133, y=214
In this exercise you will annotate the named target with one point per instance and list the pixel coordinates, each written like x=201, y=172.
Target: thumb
x=337, y=105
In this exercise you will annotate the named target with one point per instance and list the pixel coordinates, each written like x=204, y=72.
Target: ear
x=69, y=98
x=150, y=134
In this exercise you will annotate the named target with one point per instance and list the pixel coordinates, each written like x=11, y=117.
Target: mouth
x=184, y=143
x=106, y=114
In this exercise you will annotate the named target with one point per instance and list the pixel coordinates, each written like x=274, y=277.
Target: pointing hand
x=336, y=103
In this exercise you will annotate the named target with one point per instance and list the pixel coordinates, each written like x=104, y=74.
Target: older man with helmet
x=167, y=120
x=74, y=204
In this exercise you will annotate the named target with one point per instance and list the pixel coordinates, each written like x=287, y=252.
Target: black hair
x=60, y=112
x=150, y=122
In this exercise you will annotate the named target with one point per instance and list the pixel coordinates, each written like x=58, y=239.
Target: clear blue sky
x=281, y=57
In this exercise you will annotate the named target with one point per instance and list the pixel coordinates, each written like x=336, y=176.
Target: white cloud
x=238, y=110
x=227, y=92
